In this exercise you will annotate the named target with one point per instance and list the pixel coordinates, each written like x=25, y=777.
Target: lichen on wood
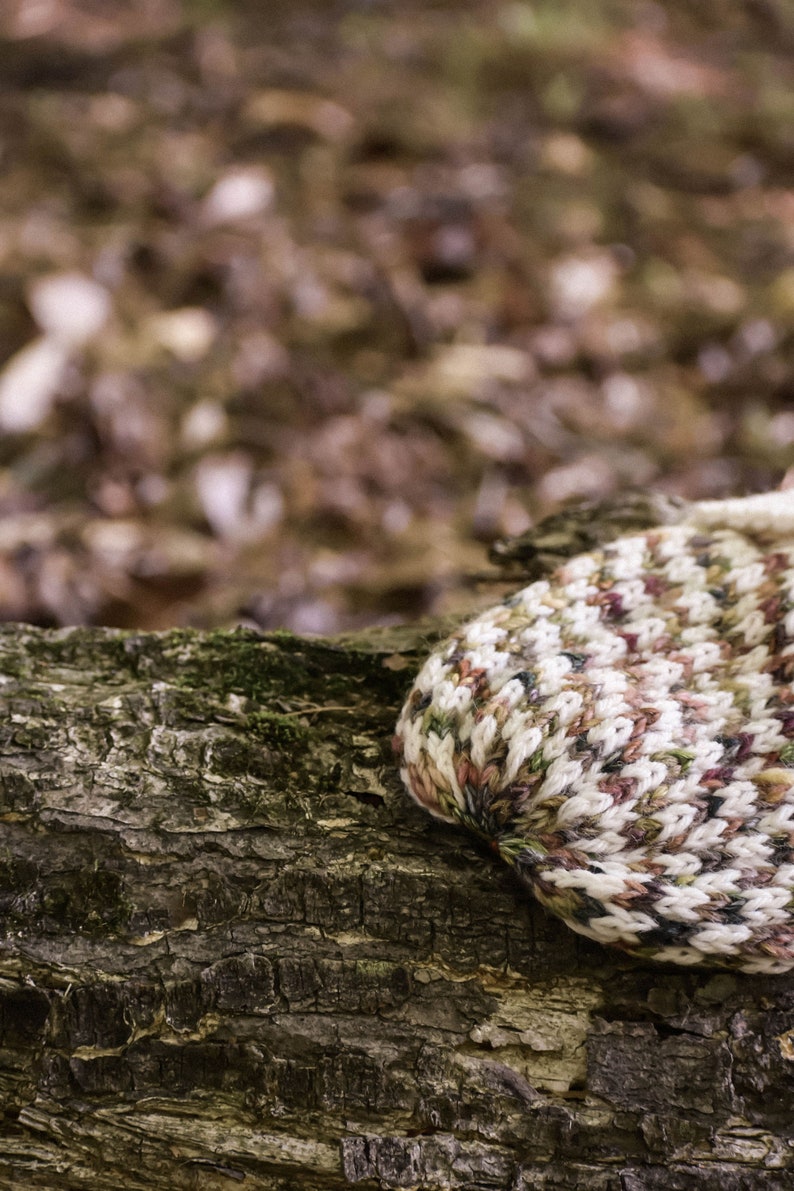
x=234, y=953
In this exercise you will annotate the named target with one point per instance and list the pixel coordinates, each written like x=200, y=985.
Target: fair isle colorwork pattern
x=623, y=733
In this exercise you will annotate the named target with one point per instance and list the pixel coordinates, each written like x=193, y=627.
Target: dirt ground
x=301, y=305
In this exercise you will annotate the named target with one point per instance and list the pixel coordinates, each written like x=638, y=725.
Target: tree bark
x=234, y=953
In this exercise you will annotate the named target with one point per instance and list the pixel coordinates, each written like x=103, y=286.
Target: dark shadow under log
x=234, y=954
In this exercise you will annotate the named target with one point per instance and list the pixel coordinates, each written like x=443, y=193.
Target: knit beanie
x=622, y=733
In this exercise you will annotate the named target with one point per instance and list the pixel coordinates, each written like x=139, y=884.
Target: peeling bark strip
x=234, y=954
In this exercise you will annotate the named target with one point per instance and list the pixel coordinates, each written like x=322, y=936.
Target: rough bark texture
x=235, y=954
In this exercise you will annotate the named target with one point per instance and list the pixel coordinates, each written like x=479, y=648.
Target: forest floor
x=301, y=305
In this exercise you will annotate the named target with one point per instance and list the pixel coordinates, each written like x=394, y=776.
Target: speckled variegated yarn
x=624, y=734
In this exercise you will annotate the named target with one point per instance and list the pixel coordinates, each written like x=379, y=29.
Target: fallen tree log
x=234, y=953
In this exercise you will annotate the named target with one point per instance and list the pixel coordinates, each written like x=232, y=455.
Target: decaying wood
x=234, y=954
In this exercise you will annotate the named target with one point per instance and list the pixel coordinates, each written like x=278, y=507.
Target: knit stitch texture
x=623, y=733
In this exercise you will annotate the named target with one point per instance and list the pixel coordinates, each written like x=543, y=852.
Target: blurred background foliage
x=301, y=304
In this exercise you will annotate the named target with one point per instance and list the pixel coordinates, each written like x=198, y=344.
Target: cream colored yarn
x=623, y=733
